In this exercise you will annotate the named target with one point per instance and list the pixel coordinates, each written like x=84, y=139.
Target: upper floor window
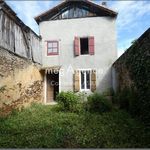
x=52, y=48
x=84, y=46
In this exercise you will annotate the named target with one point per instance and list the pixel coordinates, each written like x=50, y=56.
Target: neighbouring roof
x=7, y=9
x=85, y=4
x=51, y=69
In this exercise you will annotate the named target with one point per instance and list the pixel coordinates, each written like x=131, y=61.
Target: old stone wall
x=132, y=69
x=21, y=83
x=121, y=75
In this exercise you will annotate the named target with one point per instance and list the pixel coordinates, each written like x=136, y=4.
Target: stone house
x=78, y=47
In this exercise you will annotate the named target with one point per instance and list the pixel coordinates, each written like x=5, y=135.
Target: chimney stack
x=104, y=4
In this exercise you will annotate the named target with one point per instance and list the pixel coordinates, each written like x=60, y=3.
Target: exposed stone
x=20, y=82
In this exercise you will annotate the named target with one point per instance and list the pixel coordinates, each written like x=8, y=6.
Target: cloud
x=133, y=20
x=130, y=12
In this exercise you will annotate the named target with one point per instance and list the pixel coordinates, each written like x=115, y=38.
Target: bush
x=98, y=103
x=127, y=99
x=68, y=101
x=124, y=98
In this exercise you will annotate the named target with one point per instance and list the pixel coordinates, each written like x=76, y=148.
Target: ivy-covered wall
x=133, y=72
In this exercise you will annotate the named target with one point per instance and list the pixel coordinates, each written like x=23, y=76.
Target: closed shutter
x=77, y=46
x=76, y=81
x=91, y=45
x=93, y=80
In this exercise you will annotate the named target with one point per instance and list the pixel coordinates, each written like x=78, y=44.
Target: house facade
x=78, y=47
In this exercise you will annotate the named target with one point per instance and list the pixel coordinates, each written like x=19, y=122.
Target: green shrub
x=115, y=98
x=82, y=97
x=136, y=61
x=127, y=99
x=124, y=98
x=98, y=103
x=68, y=101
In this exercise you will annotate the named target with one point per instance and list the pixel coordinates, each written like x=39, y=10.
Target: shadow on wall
x=105, y=82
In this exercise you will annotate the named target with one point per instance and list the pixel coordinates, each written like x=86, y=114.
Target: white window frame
x=85, y=89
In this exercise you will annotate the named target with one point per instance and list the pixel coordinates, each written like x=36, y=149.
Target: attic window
x=84, y=46
x=73, y=12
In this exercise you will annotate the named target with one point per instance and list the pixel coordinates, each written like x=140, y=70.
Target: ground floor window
x=85, y=81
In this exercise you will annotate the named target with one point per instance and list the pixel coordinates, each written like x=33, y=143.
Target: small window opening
x=52, y=47
x=84, y=46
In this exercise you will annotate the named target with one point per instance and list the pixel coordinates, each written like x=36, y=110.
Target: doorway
x=52, y=90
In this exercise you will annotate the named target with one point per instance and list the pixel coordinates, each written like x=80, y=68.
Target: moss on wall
x=133, y=69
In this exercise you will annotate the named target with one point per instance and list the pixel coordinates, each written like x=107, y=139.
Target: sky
x=132, y=21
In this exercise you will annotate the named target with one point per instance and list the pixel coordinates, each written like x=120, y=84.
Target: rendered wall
x=103, y=30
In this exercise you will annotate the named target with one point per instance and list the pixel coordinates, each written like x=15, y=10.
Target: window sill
x=85, y=90
x=51, y=103
x=86, y=55
x=52, y=54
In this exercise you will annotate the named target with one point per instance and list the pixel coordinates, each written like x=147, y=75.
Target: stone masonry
x=21, y=83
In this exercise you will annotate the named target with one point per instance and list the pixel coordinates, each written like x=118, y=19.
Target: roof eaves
x=37, y=18
x=112, y=13
x=7, y=9
x=102, y=7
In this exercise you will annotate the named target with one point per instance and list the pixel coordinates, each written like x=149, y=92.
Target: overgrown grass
x=47, y=127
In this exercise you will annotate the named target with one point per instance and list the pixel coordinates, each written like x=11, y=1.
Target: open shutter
x=76, y=81
x=91, y=45
x=93, y=80
x=77, y=46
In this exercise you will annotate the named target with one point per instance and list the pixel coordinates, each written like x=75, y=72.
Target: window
x=73, y=12
x=84, y=46
x=52, y=47
x=85, y=83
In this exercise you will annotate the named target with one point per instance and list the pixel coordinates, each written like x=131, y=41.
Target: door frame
x=45, y=87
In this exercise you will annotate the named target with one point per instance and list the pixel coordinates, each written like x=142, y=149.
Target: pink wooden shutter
x=77, y=46
x=91, y=45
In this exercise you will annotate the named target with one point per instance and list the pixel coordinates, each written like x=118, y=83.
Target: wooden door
x=50, y=90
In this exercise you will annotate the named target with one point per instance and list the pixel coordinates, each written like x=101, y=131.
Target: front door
x=52, y=87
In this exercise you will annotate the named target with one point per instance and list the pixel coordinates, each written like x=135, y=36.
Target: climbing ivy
x=137, y=61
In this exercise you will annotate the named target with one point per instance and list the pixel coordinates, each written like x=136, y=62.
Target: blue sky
x=133, y=17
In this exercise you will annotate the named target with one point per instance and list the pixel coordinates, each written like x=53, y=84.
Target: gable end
x=75, y=9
